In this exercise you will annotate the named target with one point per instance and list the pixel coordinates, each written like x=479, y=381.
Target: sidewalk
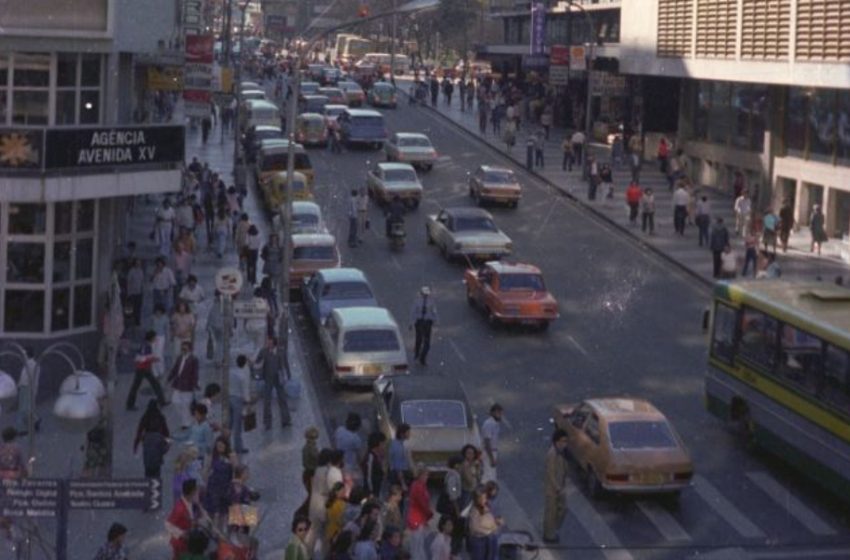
x=797, y=263
x=274, y=458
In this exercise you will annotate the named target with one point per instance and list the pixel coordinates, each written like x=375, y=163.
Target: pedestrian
x=164, y=227
x=399, y=461
x=240, y=400
x=221, y=229
x=211, y=399
x=539, y=148
x=183, y=380
x=185, y=515
x=362, y=213
x=567, y=158
x=817, y=226
x=663, y=155
x=241, y=238
x=681, y=198
x=163, y=283
x=786, y=223
x=546, y=120
x=738, y=185
x=184, y=215
x=606, y=177
x=12, y=465
x=743, y=210
x=183, y=323
x=647, y=211
x=530, y=146
x=470, y=473
x=419, y=513
x=319, y=492
x=578, y=139
x=182, y=260
x=142, y=364
x=483, y=112
x=135, y=291
x=593, y=178
x=347, y=439
x=114, y=548
x=423, y=315
x=200, y=433
x=334, y=511
x=192, y=294
x=635, y=165
x=449, y=500
x=717, y=243
x=216, y=498
x=703, y=219
x=272, y=363
x=366, y=547
x=470, y=93
x=352, y=218
x=297, y=548
x=496, y=118
x=435, y=90
x=391, y=515
x=251, y=253
x=448, y=89
x=309, y=463
x=390, y=548
x=509, y=135
x=441, y=546
x=769, y=224
x=461, y=86
x=152, y=434
x=633, y=198
x=28, y=383
x=728, y=263
x=490, y=430
x=373, y=465
x=272, y=255
x=484, y=527
x=206, y=125
x=751, y=245
x=555, y=488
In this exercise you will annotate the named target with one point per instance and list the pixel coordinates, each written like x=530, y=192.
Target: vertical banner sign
x=538, y=28
x=578, y=58
x=197, y=74
x=559, y=58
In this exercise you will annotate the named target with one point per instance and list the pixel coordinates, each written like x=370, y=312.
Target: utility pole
x=394, y=32
x=237, y=93
x=227, y=302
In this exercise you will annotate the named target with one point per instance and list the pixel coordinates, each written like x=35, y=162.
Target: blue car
x=362, y=126
x=333, y=288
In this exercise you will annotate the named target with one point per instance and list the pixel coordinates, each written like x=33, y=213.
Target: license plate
x=653, y=478
x=372, y=369
x=480, y=256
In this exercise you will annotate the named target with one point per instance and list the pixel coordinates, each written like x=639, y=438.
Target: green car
x=382, y=95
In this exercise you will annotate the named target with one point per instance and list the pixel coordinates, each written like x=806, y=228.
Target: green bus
x=779, y=372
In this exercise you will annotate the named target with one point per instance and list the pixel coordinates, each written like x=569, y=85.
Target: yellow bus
x=779, y=372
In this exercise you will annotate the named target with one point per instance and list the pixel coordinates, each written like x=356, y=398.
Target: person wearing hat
x=113, y=549
x=423, y=315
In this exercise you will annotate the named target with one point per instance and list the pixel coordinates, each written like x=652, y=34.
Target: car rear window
x=474, y=223
x=314, y=252
x=434, y=414
x=373, y=122
x=370, y=340
x=313, y=124
x=346, y=290
x=399, y=175
x=308, y=88
x=521, y=282
x=501, y=177
x=414, y=142
x=278, y=162
x=305, y=220
x=641, y=435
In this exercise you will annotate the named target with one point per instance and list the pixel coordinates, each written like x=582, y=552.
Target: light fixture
x=8, y=387
x=76, y=405
x=89, y=105
x=84, y=381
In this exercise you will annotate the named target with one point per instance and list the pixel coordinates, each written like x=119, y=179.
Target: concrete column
x=111, y=81
x=828, y=208
x=801, y=203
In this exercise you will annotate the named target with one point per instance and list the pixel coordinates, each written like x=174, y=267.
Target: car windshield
x=332, y=92
x=511, y=282
x=373, y=122
x=500, y=177
x=474, y=223
x=346, y=290
x=399, y=175
x=434, y=414
x=314, y=253
x=313, y=124
x=415, y=142
x=370, y=340
x=308, y=88
x=333, y=112
x=641, y=435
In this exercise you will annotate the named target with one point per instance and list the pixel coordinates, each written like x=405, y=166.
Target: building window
x=750, y=106
x=702, y=106
x=817, y=124
x=30, y=89
x=24, y=311
x=25, y=263
x=721, y=119
x=675, y=24
x=27, y=219
x=822, y=123
x=78, y=85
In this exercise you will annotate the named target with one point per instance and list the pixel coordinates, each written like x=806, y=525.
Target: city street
x=630, y=325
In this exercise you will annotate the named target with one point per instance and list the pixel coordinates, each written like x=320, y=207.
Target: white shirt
x=681, y=197
x=164, y=279
x=185, y=216
x=490, y=430
x=253, y=242
x=703, y=207
x=729, y=262
x=743, y=205
x=578, y=137
x=165, y=214
x=193, y=297
x=240, y=383
x=441, y=548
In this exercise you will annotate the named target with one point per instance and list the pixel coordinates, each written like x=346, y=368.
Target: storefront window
x=24, y=311
x=30, y=108
x=62, y=217
x=702, y=107
x=795, y=119
x=89, y=107
x=844, y=125
x=27, y=219
x=60, y=316
x=85, y=215
x=66, y=70
x=822, y=124
x=66, y=107
x=32, y=70
x=62, y=261
x=82, y=306
x=25, y=263
x=721, y=118
x=90, y=72
x=85, y=258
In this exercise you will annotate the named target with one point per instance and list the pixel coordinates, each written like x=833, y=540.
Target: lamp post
x=588, y=129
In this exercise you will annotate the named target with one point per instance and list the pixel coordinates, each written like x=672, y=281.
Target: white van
x=258, y=112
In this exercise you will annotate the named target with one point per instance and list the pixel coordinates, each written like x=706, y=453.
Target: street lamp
x=588, y=129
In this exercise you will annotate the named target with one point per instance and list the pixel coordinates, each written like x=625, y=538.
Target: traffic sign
x=129, y=493
x=228, y=281
x=30, y=497
x=257, y=308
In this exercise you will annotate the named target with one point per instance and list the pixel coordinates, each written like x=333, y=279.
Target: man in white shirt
x=743, y=211
x=192, y=293
x=163, y=283
x=184, y=215
x=240, y=398
x=577, y=140
x=490, y=430
x=681, y=198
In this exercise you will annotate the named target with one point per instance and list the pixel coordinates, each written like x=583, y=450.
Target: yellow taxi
x=311, y=252
x=625, y=445
x=274, y=189
x=272, y=157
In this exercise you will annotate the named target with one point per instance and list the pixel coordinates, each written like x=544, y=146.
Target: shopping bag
x=249, y=421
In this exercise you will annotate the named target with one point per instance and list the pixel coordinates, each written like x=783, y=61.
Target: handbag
x=249, y=421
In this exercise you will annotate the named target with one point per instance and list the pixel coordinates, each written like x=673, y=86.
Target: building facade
x=71, y=158
x=765, y=92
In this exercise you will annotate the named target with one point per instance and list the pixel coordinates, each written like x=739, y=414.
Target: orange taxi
x=625, y=445
x=511, y=293
x=311, y=252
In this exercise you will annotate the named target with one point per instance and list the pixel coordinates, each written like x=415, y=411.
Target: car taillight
x=400, y=367
x=617, y=477
x=681, y=476
x=344, y=369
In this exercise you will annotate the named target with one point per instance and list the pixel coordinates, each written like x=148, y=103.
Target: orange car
x=311, y=252
x=511, y=293
x=625, y=445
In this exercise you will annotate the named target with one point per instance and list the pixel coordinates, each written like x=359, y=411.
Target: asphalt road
x=630, y=325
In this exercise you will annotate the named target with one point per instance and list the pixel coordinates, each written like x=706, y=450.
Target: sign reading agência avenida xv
x=113, y=146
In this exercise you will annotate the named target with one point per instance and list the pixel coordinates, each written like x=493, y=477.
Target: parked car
x=625, y=445
x=470, y=232
x=274, y=189
x=309, y=88
x=511, y=293
x=362, y=343
x=411, y=147
x=255, y=135
x=311, y=252
x=334, y=288
x=354, y=94
x=436, y=408
x=387, y=180
x=495, y=184
x=312, y=103
x=306, y=218
x=252, y=94
x=330, y=75
x=311, y=129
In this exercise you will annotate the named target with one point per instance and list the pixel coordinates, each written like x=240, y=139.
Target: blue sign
x=538, y=27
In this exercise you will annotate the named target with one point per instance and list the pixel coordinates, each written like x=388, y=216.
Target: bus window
x=758, y=339
x=801, y=359
x=835, y=389
x=723, y=337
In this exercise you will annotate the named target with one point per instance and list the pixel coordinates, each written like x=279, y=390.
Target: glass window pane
x=723, y=339
x=822, y=124
x=25, y=263
x=702, y=106
x=844, y=125
x=27, y=218
x=66, y=105
x=4, y=69
x=24, y=311
x=91, y=70
x=29, y=107
x=795, y=124
x=801, y=359
x=32, y=70
x=82, y=306
x=835, y=388
x=758, y=339
x=89, y=107
x=85, y=257
x=62, y=261
x=721, y=117
x=750, y=106
x=85, y=215
x=4, y=97
x=60, y=313
x=66, y=70
x=62, y=214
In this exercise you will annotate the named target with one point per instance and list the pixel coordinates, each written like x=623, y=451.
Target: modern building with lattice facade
x=765, y=91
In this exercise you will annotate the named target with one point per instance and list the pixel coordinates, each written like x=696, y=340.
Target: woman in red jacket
x=419, y=513
x=633, y=196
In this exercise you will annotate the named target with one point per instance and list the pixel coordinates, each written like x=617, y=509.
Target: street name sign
x=131, y=493
x=30, y=497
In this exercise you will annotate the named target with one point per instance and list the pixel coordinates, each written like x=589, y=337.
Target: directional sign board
x=30, y=497
x=131, y=493
x=257, y=308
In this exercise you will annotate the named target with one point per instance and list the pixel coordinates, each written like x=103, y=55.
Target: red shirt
x=181, y=517
x=633, y=194
x=419, y=511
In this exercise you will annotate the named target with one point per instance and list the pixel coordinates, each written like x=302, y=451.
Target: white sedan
x=411, y=147
x=469, y=232
x=386, y=181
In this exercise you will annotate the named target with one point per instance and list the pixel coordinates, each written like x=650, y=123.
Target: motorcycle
x=397, y=235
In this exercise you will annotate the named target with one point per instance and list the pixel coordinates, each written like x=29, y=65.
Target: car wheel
x=594, y=488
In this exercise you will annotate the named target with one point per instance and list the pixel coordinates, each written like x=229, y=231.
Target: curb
x=566, y=194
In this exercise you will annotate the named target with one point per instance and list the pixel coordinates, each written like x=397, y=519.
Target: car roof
x=364, y=113
x=260, y=104
x=331, y=275
x=266, y=128
x=383, y=84
x=462, y=211
x=412, y=135
x=353, y=317
x=253, y=90
x=620, y=409
x=311, y=97
x=311, y=84
x=386, y=165
x=306, y=207
x=336, y=106
x=313, y=239
x=427, y=387
x=330, y=88
x=512, y=268
x=311, y=116
x=495, y=168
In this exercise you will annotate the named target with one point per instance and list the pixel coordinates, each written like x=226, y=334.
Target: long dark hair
x=152, y=420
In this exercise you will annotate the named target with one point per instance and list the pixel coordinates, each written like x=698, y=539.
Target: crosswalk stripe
x=599, y=531
x=663, y=521
x=726, y=509
x=790, y=503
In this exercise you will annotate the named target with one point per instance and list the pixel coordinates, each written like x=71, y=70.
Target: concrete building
x=70, y=158
x=765, y=92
